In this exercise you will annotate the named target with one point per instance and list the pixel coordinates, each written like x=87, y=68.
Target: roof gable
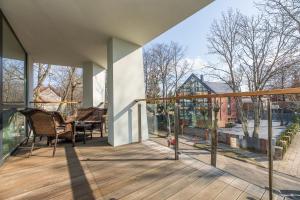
x=193, y=76
x=214, y=87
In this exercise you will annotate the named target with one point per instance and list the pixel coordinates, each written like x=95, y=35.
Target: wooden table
x=86, y=126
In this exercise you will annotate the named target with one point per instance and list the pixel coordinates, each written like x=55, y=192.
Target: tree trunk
x=41, y=79
x=242, y=116
x=67, y=91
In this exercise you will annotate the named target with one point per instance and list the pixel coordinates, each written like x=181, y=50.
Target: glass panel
x=286, y=145
x=13, y=66
x=160, y=116
x=13, y=129
x=195, y=125
x=13, y=91
x=237, y=154
x=239, y=150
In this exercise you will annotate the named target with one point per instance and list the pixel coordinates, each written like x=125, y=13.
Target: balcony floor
x=98, y=171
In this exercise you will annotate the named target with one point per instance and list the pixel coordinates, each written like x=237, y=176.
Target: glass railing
x=13, y=131
x=286, y=149
x=161, y=124
x=254, y=138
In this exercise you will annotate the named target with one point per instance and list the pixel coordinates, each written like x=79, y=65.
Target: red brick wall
x=224, y=116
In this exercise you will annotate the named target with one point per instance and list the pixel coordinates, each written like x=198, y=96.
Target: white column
x=125, y=84
x=94, y=78
x=29, y=80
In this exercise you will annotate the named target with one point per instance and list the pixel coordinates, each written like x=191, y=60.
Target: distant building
x=195, y=112
x=49, y=94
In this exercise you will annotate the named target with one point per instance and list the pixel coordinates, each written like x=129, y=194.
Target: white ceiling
x=71, y=32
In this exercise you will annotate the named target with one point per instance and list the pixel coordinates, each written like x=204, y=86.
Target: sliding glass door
x=13, y=90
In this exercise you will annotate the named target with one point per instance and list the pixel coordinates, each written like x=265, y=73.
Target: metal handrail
x=49, y=102
x=231, y=94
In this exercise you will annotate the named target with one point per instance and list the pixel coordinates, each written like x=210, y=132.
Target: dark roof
x=218, y=87
x=215, y=87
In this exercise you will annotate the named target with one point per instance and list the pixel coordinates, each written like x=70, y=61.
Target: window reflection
x=13, y=68
x=13, y=92
x=13, y=81
x=13, y=129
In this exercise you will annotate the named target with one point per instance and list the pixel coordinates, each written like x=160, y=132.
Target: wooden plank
x=211, y=191
x=108, y=172
x=196, y=187
x=130, y=172
x=150, y=189
x=255, y=191
x=127, y=186
x=60, y=173
x=246, y=196
x=240, y=184
x=236, y=94
x=42, y=155
x=185, y=182
x=229, y=193
x=44, y=192
x=275, y=196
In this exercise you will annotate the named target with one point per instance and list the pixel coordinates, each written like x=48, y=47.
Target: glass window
x=13, y=68
x=12, y=91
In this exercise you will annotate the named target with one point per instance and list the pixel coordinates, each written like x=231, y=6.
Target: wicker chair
x=43, y=124
x=61, y=123
x=27, y=112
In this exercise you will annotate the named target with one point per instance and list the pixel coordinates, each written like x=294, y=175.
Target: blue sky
x=193, y=31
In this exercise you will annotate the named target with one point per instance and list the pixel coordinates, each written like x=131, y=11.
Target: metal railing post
x=214, y=136
x=176, y=130
x=270, y=151
x=140, y=122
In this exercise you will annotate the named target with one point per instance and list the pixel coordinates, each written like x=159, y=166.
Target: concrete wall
x=94, y=81
x=125, y=83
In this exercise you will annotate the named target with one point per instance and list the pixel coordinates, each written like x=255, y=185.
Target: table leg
x=74, y=134
x=101, y=129
x=84, y=134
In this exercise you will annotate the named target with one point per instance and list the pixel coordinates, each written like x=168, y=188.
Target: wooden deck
x=98, y=171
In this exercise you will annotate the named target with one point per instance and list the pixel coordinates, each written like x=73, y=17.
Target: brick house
x=195, y=113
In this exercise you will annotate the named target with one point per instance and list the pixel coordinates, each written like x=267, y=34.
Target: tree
x=266, y=50
x=164, y=67
x=150, y=75
x=66, y=79
x=43, y=71
x=179, y=66
x=288, y=10
x=255, y=49
x=13, y=77
x=224, y=42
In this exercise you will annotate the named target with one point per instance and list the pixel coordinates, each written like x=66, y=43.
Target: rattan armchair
x=43, y=124
x=27, y=112
x=60, y=122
